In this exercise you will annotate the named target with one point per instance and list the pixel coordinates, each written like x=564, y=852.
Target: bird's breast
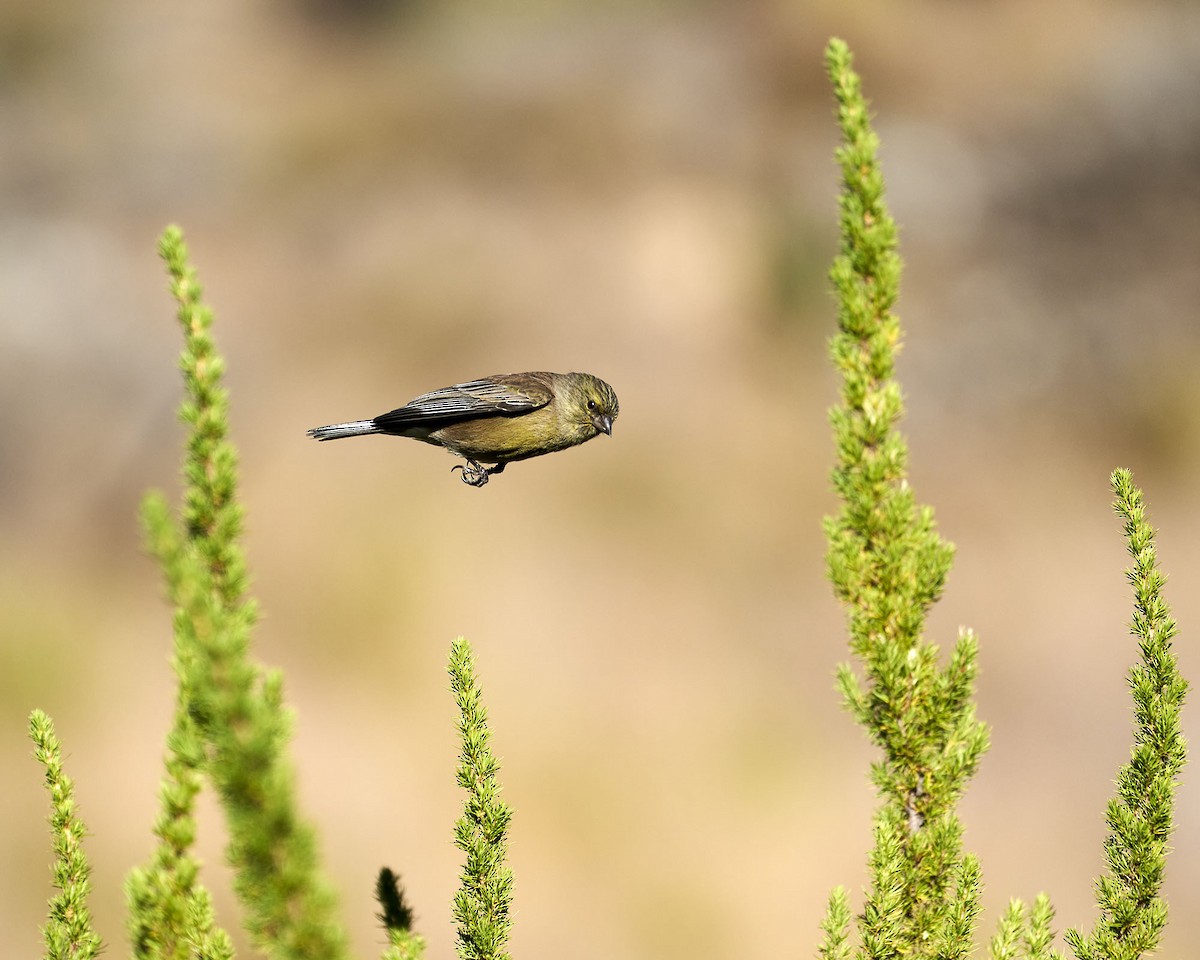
x=501, y=439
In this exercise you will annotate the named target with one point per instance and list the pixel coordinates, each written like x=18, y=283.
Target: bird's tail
x=335, y=431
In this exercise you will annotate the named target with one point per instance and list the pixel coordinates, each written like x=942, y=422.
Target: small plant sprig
x=397, y=919
x=68, y=934
x=481, y=906
x=1025, y=934
x=1141, y=815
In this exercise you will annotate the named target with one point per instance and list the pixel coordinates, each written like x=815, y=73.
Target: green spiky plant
x=231, y=730
x=68, y=934
x=888, y=566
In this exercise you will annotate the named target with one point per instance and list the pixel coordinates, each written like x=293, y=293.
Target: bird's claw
x=473, y=473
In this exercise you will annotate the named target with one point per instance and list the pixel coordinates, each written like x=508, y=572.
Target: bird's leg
x=473, y=473
x=498, y=468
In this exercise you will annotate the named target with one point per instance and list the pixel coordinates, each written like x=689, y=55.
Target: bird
x=497, y=420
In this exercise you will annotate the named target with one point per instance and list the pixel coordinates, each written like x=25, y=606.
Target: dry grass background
x=382, y=199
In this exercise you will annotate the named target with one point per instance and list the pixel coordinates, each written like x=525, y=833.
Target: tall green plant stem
x=235, y=708
x=888, y=566
x=1141, y=815
x=481, y=906
x=68, y=934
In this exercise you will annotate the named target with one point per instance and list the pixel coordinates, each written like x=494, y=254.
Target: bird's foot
x=473, y=473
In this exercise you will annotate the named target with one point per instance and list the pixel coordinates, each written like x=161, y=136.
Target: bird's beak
x=603, y=423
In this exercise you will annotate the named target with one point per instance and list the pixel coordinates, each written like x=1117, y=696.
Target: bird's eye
x=591, y=404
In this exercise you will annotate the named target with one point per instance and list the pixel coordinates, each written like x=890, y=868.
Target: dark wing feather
x=491, y=397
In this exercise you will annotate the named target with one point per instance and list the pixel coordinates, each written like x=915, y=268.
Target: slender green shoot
x=1023, y=934
x=1039, y=936
x=68, y=934
x=481, y=906
x=1140, y=816
x=1006, y=943
x=836, y=926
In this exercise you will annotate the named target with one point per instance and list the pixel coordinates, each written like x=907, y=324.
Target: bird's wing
x=490, y=397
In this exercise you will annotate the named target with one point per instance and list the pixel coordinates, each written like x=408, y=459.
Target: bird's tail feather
x=335, y=431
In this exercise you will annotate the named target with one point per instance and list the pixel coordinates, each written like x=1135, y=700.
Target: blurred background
x=387, y=196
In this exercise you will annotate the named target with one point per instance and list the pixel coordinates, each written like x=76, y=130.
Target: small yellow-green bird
x=497, y=420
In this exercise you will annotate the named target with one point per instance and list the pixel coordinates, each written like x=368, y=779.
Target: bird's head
x=592, y=403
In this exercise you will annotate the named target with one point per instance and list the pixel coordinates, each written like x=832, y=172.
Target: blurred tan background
x=387, y=197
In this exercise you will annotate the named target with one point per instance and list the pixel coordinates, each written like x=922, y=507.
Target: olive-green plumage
x=497, y=419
